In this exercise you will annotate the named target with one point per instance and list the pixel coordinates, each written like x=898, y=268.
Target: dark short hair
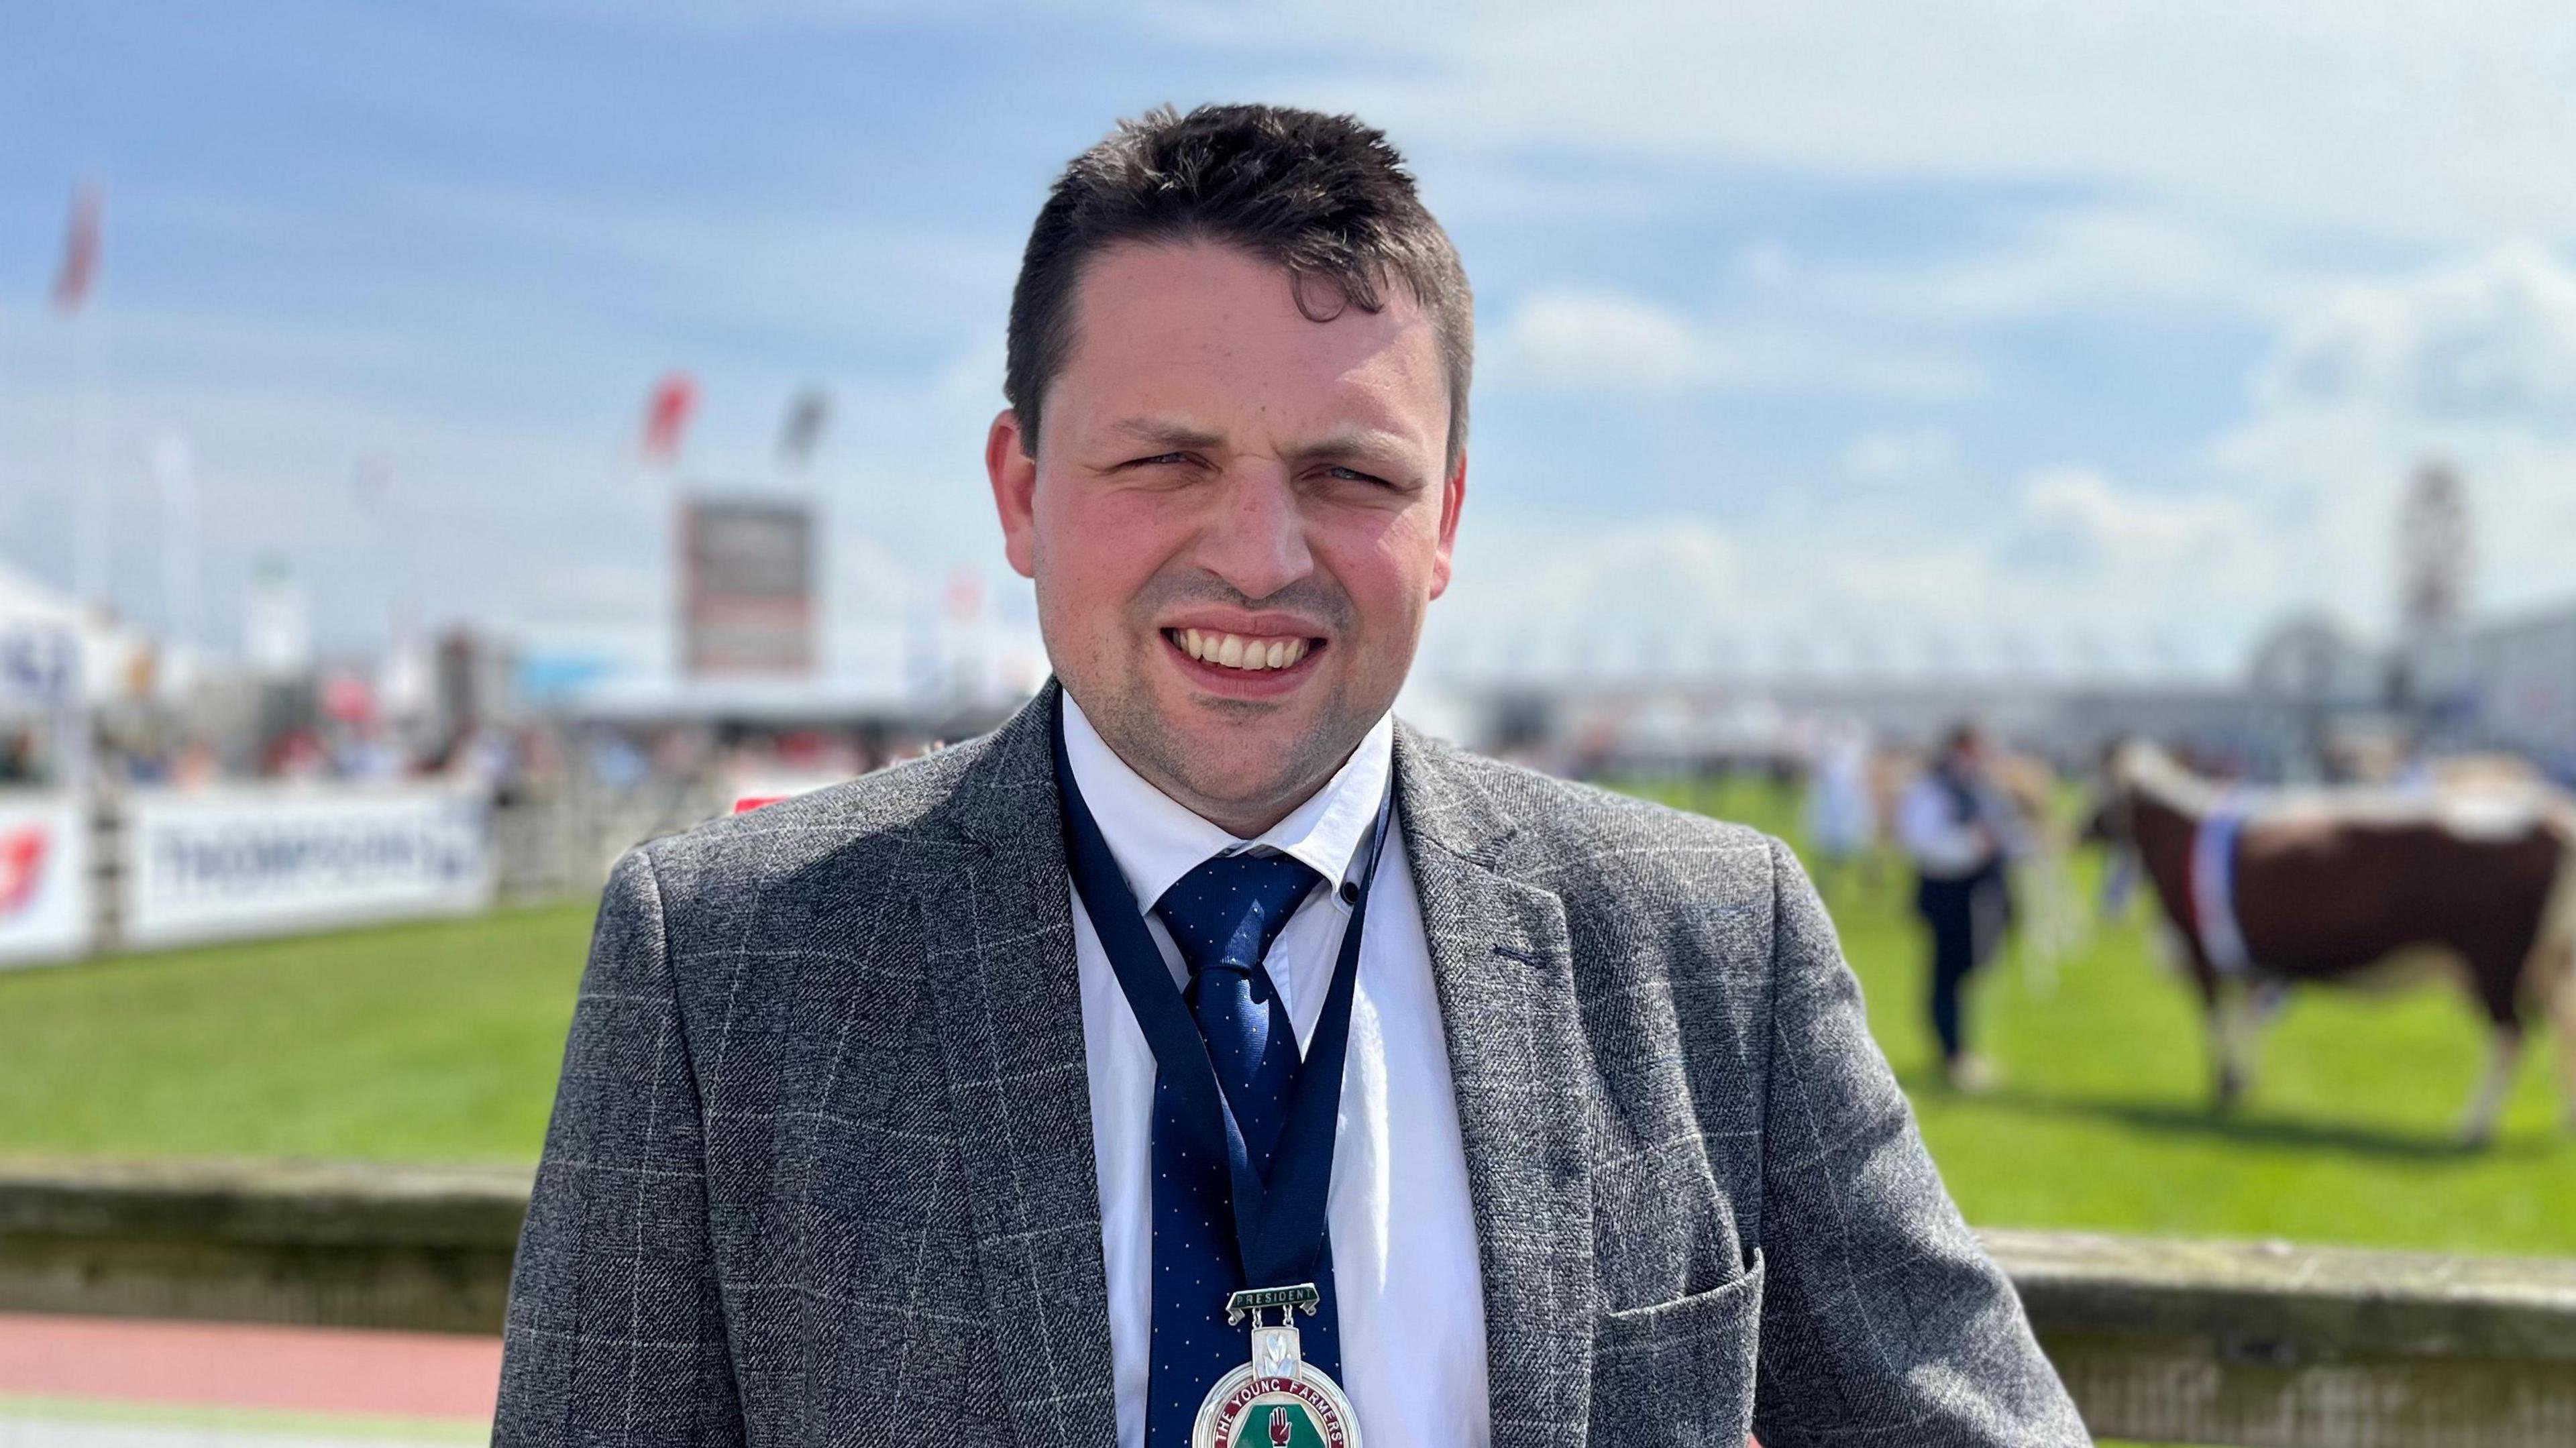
x=1324, y=197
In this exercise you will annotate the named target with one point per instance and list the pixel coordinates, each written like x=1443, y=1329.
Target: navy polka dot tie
x=1223, y=915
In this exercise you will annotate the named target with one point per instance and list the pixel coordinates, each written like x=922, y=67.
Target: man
x=1958, y=830
x=979, y=1101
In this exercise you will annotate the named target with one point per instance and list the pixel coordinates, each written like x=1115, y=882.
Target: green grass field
x=435, y=1042
x=440, y=1043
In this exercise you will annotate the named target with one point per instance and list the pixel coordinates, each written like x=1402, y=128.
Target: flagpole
x=90, y=566
x=174, y=467
x=72, y=288
x=800, y=433
x=90, y=522
x=667, y=410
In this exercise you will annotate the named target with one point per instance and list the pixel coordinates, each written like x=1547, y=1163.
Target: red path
x=237, y=1365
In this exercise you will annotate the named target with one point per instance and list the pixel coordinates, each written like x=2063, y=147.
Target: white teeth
x=1234, y=651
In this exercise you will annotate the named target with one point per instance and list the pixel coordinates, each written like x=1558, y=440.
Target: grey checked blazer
x=821, y=1167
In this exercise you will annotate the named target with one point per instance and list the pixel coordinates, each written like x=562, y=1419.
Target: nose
x=1256, y=538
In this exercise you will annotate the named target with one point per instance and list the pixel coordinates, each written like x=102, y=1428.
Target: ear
x=1453, y=498
x=1008, y=459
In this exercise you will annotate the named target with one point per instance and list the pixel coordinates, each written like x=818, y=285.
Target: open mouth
x=1243, y=653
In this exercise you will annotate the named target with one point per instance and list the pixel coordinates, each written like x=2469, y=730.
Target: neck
x=1243, y=816
x=1243, y=819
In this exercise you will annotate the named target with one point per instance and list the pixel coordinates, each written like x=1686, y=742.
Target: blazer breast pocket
x=1680, y=1373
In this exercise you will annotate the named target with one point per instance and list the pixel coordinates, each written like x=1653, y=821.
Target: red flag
x=80, y=252
x=675, y=397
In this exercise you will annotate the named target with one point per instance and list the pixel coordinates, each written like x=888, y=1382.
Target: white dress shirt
x=1929, y=829
x=1410, y=1295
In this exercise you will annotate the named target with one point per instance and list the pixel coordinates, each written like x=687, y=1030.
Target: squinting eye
x=1355, y=475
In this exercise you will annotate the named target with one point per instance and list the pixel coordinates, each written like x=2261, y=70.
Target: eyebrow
x=1341, y=442
x=1349, y=442
x=1165, y=433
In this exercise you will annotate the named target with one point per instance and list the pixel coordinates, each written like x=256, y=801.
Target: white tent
x=54, y=652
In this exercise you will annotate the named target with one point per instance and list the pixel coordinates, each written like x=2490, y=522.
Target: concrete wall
x=2303, y=1347
x=340, y=1245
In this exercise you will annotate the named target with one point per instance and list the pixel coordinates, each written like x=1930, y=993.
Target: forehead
x=1215, y=334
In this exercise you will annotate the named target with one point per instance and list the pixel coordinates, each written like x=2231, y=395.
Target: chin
x=1235, y=765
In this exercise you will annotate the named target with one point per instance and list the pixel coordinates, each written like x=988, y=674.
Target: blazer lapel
x=1504, y=970
x=1002, y=968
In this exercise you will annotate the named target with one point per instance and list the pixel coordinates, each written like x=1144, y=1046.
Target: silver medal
x=1277, y=1400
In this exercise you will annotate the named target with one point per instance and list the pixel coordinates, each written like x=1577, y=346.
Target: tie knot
x=1229, y=909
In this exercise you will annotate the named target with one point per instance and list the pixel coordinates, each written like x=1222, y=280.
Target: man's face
x=1236, y=517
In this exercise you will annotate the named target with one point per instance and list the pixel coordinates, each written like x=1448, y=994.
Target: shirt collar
x=1156, y=840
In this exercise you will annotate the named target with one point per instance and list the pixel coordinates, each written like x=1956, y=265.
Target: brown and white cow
x=2352, y=887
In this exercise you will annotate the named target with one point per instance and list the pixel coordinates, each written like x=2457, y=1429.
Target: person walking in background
x=1958, y=832
x=1842, y=813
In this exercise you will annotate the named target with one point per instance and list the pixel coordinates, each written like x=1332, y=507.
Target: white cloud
x=2109, y=520
x=2418, y=121
x=836, y=274
x=2126, y=262
x=1900, y=455
x=1539, y=597
x=2473, y=363
x=1597, y=340
x=2385, y=118
x=2488, y=340
x=2294, y=507
x=2073, y=569
x=1610, y=343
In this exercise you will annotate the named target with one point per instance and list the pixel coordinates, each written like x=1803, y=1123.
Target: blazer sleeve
x=615, y=1332
x=1883, y=1320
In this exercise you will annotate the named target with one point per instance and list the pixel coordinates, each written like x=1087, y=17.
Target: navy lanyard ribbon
x=1279, y=1224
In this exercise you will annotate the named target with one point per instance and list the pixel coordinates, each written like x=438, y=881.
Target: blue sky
x=1928, y=335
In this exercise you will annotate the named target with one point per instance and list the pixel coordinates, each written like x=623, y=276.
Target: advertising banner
x=747, y=586
x=250, y=861
x=44, y=879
